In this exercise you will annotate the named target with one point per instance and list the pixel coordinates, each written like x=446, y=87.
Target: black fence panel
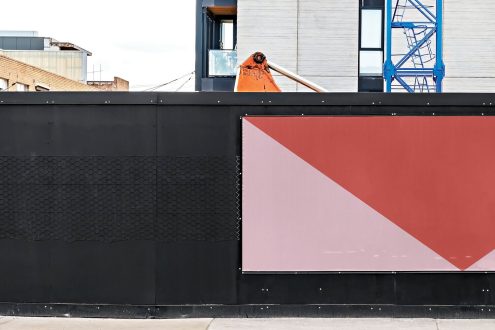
x=121, y=199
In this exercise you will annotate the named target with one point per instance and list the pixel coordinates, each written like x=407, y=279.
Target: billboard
x=368, y=194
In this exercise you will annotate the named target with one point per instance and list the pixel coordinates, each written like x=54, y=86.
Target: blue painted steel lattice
x=419, y=66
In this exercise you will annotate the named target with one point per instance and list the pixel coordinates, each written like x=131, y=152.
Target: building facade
x=115, y=85
x=63, y=58
x=22, y=77
x=340, y=44
x=216, y=43
x=33, y=63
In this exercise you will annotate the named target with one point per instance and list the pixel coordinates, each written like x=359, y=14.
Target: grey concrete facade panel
x=316, y=39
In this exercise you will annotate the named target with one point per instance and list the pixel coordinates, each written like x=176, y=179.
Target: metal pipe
x=297, y=78
x=388, y=68
x=415, y=48
x=439, y=69
x=421, y=8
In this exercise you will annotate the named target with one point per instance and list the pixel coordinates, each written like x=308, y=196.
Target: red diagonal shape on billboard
x=432, y=176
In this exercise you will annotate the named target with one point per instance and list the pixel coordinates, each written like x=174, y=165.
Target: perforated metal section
x=195, y=192
x=118, y=198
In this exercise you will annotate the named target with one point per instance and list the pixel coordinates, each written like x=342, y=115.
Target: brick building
x=63, y=58
x=117, y=85
x=19, y=76
x=32, y=63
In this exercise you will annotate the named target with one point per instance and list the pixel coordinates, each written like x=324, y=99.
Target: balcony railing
x=222, y=62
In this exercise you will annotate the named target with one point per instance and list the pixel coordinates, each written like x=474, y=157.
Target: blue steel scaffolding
x=419, y=68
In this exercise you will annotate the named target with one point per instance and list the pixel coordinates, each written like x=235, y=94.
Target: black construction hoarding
x=130, y=204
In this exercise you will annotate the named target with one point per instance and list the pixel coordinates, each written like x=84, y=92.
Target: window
x=216, y=39
x=21, y=87
x=222, y=56
x=41, y=87
x=227, y=34
x=4, y=85
x=222, y=62
x=370, y=63
x=371, y=28
x=371, y=35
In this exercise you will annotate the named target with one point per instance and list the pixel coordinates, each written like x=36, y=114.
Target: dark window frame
x=369, y=80
x=212, y=36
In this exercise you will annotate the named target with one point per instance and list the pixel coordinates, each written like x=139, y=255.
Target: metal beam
x=413, y=63
x=297, y=78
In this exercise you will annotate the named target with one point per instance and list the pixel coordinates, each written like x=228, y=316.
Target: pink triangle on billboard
x=486, y=263
x=297, y=219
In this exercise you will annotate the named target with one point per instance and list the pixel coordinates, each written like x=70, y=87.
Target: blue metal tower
x=419, y=68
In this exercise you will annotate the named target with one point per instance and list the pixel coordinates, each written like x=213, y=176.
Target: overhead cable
x=168, y=82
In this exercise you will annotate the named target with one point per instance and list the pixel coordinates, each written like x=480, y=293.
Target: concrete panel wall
x=469, y=45
x=316, y=39
x=270, y=27
x=328, y=43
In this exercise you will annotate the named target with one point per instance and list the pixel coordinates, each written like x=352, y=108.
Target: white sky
x=147, y=42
